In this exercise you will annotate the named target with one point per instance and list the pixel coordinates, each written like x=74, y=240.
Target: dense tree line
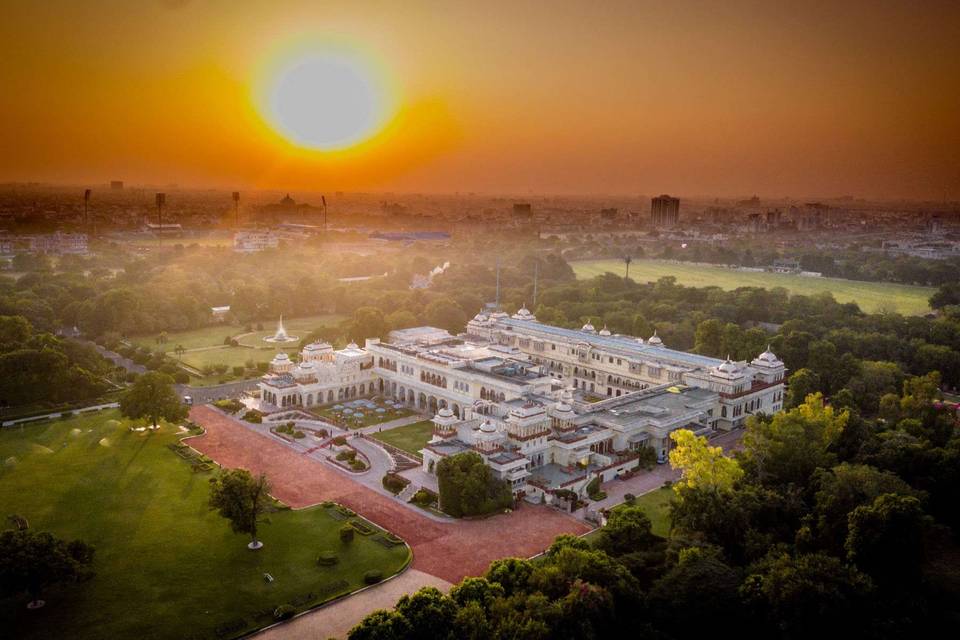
x=825, y=523
x=38, y=367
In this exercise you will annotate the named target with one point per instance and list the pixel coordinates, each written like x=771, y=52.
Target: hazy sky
x=727, y=98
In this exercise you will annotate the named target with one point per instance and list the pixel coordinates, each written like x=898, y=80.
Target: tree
x=153, y=397
x=708, y=338
x=368, y=322
x=807, y=596
x=381, y=625
x=31, y=561
x=886, y=539
x=627, y=530
x=702, y=466
x=242, y=499
x=690, y=598
x=948, y=294
x=445, y=314
x=801, y=384
x=788, y=447
x=468, y=486
x=430, y=614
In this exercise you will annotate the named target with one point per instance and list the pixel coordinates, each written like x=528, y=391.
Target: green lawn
x=410, y=438
x=230, y=356
x=656, y=505
x=166, y=566
x=871, y=296
x=213, y=336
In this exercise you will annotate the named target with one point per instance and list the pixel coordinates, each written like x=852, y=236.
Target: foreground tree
x=468, y=486
x=242, y=499
x=153, y=397
x=702, y=467
x=31, y=561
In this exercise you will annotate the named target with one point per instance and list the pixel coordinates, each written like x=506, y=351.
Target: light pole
x=236, y=208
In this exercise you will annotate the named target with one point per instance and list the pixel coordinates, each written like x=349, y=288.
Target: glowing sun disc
x=325, y=100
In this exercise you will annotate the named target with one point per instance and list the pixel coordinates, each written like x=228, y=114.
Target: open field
x=213, y=336
x=410, y=438
x=871, y=296
x=166, y=566
x=230, y=356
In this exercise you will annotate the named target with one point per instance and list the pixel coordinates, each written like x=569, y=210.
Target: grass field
x=214, y=336
x=871, y=296
x=230, y=356
x=410, y=438
x=656, y=506
x=166, y=566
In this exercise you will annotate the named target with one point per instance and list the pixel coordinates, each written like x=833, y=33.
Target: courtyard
x=166, y=566
x=411, y=438
x=362, y=412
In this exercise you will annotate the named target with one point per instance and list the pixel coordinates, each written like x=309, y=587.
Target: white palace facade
x=547, y=408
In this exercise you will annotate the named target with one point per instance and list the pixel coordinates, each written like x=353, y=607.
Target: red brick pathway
x=449, y=551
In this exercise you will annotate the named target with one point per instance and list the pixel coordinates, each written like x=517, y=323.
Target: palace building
x=547, y=408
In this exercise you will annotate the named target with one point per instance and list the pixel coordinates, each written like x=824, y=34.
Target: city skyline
x=730, y=101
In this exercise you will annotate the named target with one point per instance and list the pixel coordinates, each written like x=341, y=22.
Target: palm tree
x=627, y=260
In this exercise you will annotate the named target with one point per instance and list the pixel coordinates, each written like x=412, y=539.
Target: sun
x=325, y=99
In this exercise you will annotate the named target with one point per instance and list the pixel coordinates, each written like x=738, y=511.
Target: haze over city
x=725, y=99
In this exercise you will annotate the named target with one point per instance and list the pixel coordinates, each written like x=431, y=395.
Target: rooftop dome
x=445, y=412
x=767, y=357
x=605, y=331
x=488, y=427
x=655, y=339
x=523, y=314
x=588, y=327
x=281, y=357
x=352, y=345
x=728, y=366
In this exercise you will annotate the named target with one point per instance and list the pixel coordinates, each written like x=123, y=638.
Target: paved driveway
x=447, y=550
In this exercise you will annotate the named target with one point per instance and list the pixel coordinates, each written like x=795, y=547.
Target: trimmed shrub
x=394, y=483
x=284, y=612
x=358, y=465
x=346, y=533
x=181, y=377
x=253, y=416
x=340, y=441
x=238, y=371
x=327, y=559
x=347, y=455
x=373, y=577
x=629, y=498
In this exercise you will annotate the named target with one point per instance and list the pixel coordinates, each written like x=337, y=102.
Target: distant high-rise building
x=116, y=185
x=522, y=211
x=664, y=212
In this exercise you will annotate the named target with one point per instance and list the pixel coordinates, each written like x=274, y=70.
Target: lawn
x=213, y=336
x=871, y=296
x=166, y=566
x=230, y=356
x=656, y=505
x=410, y=438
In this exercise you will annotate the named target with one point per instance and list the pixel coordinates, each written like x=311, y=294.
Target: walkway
x=337, y=618
x=59, y=414
x=391, y=424
x=447, y=550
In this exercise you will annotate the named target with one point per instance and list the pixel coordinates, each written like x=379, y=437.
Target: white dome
x=488, y=427
x=655, y=339
x=588, y=327
x=445, y=412
x=281, y=357
x=604, y=331
x=767, y=356
x=728, y=367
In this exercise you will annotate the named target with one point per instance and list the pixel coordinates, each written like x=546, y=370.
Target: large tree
x=153, y=397
x=701, y=466
x=242, y=499
x=468, y=486
x=31, y=561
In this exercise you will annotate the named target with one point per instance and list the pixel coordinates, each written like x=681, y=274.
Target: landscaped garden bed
x=362, y=412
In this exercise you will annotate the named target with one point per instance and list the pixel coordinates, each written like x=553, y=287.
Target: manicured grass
x=410, y=438
x=656, y=505
x=166, y=566
x=213, y=336
x=230, y=356
x=871, y=296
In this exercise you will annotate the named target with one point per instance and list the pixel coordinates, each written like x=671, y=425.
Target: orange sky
x=720, y=98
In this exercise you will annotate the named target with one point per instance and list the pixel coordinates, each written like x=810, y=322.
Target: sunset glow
x=324, y=99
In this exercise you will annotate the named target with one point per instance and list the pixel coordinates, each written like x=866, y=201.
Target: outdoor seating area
x=362, y=412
